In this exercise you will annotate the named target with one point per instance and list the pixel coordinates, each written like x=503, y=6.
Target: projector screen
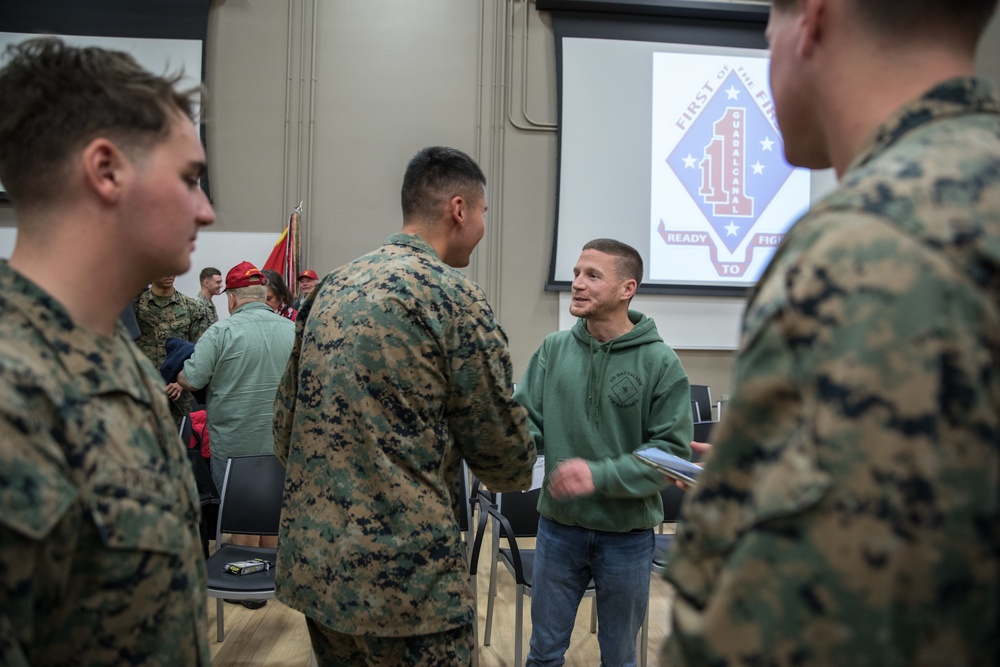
x=673, y=148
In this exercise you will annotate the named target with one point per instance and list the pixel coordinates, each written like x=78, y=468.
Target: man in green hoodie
x=599, y=505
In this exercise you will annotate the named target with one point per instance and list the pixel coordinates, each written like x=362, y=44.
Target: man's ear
x=458, y=209
x=104, y=168
x=811, y=23
x=629, y=288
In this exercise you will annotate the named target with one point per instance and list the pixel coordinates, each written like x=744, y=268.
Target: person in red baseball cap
x=307, y=281
x=243, y=274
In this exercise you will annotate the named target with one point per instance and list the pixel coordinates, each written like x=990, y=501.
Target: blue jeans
x=566, y=559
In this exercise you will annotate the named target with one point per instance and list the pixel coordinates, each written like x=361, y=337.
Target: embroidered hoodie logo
x=625, y=389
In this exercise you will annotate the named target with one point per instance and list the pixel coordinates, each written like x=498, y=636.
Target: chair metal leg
x=490, y=599
x=475, y=623
x=518, y=624
x=220, y=632
x=593, y=615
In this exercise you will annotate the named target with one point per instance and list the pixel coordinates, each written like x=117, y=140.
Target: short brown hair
x=207, y=273
x=55, y=99
x=899, y=19
x=628, y=261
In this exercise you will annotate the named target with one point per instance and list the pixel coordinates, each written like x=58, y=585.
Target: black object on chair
x=251, y=505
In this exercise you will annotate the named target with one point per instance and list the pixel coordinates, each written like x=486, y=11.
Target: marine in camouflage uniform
x=398, y=372
x=211, y=313
x=850, y=512
x=100, y=562
x=163, y=317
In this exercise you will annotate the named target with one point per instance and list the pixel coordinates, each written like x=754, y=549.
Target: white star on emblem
x=732, y=93
x=689, y=161
x=758, y=168
x=731, y=229
x=766, y=143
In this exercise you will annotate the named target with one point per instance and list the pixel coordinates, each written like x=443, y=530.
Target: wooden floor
x=276, y=635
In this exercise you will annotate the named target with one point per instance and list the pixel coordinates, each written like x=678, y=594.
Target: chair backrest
x=521, y=511
x=673, y=499
x=701, y=395
x=703, y=431
x=202, y=475
x=251, y=495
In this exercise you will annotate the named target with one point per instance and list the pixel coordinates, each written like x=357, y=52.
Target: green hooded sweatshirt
x=601, y=402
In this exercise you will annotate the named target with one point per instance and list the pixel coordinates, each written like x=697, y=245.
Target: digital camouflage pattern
x=850, y=512
x=398, y=372
x=160, y=318
x=210, y=310
x=100, y=556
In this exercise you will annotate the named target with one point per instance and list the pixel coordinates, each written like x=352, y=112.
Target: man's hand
x=571, y=479
x=699, y=448
x=174, y=391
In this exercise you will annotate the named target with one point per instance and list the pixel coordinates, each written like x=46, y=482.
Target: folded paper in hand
x=672, y=466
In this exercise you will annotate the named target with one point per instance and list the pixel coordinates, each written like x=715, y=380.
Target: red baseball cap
x=308, y=273
x=243, y=274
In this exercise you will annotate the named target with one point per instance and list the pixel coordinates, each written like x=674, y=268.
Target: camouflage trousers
x=451, y=648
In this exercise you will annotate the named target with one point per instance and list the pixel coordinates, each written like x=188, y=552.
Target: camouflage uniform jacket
x=177, y=316
x=210, y=311
x=398, y=372
x=100, y=557
x=850, y=512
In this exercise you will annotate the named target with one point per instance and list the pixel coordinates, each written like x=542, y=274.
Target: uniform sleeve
x=200, y=366
x=285, y=398
x=669, y=428
x=836, y=471
x=35, y=496
x=490, y=428
x=201, y=320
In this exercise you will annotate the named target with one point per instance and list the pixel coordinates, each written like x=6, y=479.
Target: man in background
x=239, y=361
x=100, y=561
x=850, y=511
x=399, y=371
x=162, y=312
x=211, y=286
x=307, y=281
x=595, y=394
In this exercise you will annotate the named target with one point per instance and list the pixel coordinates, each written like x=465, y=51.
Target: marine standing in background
x=399, y=371
x=162, y=312
x=100, y=557
x=850, y=511
x=210, y=279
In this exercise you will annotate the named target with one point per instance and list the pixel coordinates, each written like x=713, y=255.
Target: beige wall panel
x=392, y=77
x=245, y=75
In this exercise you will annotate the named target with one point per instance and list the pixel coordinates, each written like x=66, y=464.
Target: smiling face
x=598, y=290
x=164, y=205
x=213, y=284
x=306, y=285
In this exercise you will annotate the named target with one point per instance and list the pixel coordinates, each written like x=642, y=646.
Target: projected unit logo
x=729, y=161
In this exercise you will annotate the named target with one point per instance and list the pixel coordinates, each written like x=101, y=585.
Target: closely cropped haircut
x=436, y=173
x=55, y=99
x=277, y=285
x=207, y=273
x=249, y=293
x=628, y=261
x=896, y=18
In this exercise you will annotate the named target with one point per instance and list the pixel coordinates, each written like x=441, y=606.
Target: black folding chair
x=251, y=505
